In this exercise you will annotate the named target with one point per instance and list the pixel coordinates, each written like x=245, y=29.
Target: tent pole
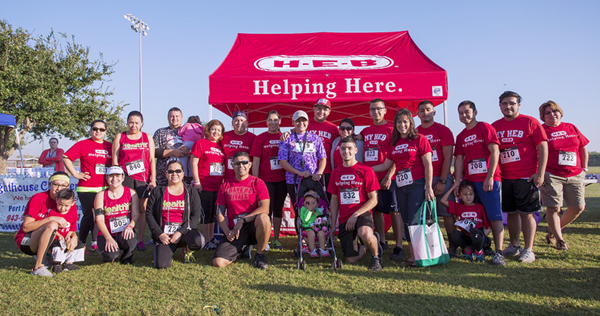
x=445, y=113
x=20, y=151
x=210, y=108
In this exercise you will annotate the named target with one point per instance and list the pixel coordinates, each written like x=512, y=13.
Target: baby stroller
x=305, y=185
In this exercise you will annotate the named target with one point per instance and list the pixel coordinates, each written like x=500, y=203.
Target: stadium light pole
x=137, y=25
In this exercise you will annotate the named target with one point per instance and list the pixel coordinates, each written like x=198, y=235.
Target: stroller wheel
x=338, y=263
x=303, y=265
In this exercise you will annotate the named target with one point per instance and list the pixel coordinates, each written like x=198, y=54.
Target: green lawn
x=557, y=283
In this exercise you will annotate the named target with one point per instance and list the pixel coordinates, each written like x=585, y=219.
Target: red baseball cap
x=323, y=102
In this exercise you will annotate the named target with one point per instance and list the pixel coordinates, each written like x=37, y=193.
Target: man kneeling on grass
x=353, y=187
x=246, y=200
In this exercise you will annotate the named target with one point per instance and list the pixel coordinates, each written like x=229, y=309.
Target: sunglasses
x=174, y=171
x=237, y=163
x=98, y=129
x=309, y=202
x=346, y=128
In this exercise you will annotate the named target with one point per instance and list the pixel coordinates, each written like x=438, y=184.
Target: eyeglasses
x=376, y=109
x=60, y=186
x=550, y=112
x=244, y=162
x=174, y=171
x=98, y=129
x=346, y=128
x=309, y=202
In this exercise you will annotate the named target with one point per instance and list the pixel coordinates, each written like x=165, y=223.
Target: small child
x=66, y=247
x=190, y=132
x=314, y=222
x=470, y=220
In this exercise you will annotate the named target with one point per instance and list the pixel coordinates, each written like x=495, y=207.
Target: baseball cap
x=323, y=102
x=299, y=114
x=114, y=170
x=312, y=193
x=239, y=113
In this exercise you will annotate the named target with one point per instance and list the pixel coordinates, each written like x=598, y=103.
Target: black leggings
x=126, y=245
x=88, y=220
x=477, y=239
x=277, y=193
x=163, y=254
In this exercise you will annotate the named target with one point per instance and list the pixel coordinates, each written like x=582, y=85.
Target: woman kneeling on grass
x=172, y=215
x=116, y=215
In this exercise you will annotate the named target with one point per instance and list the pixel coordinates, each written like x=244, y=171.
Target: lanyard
x=303, y=147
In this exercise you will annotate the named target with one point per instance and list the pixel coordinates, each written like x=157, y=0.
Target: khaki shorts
x=555, y=187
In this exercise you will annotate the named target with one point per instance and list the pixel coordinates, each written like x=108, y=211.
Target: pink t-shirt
x=232, y=143
x=377, y=140
x=266, y=147
x=191, y=132
x=70, y=217
x=172, y=210
x=407, y=155
x=438, y=136
x=328, y=132
x=352, y=185
x=473, y=145
x=38, y=207
x=564, y=144
x=475, y=213
x=241, y=197
x=211, y=163
x=134, y=157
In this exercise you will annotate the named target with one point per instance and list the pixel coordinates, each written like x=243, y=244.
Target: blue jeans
x=409, y=200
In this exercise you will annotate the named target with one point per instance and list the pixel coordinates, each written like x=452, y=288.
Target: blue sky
x=544, y=50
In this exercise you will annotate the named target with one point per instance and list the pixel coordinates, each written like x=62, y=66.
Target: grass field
x=557, y=283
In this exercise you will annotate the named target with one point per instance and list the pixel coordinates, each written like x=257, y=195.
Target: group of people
x=188, y=177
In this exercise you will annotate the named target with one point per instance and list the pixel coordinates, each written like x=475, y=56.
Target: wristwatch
x=443, y=181
x=244, y=220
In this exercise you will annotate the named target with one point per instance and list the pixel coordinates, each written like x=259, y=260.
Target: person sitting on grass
x=66, y=248
x=470, y=220
x=314, y=222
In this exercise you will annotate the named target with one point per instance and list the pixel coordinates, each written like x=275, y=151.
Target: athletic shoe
x=94, y=246
x=260, y=261
x=398, y=254
x=313, y=254
x=561, y=245
x=324, y=253
x=305, y=250
x=42, y=271
x=479, y=257
x=188, y=255
x=527, y=256
x=498, y=259
x=453, y=252
x=247, y=252
x=212, y=244
x=488, y=251
x=267, y=247
x=467, y=256
x=384, y=245
x=70, y=267
x=140, y=246
x=57, y=268
x=376, y=263
x=276, y=244
x=512, y=250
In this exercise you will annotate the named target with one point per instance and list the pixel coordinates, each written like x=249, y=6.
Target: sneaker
x=260, y=261
x=57, y=268
x=512, y=250
x=140, y=246
x=561, y=245
x=69, y=267
x=453, y=252
x=212, y=244
x=188, y=256
x=398, y=254
x=305, y=250
x=467, y=256
x=384, y=245
x=94, y=246
x=324, y=253
x=313, y=254
x=376, y=263
x=42, y=271
x=488, y=251
x=267, y=247
x=479, y=257
x=527, y=256
x=276, y=244
x=247, y=252
x=498, y=259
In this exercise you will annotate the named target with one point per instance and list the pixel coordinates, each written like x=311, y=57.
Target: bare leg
x=514, y=228
x=361, y=252
x=208, y=230
x=220, y=262
x=276, y=226
x=263, y=232
x=529, y=227
x=40, y=239
x=310, y=239
x=498, y=234
x=554, y=220
x=570, y=215
x=321, y=236
x=366, y=235
x=379, y=222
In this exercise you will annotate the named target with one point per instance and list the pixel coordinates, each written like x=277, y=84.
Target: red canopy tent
x=288, y=72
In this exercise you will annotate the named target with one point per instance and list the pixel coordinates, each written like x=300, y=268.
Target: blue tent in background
x=10, y=121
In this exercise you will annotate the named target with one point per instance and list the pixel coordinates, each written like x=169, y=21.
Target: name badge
x=434, y=155
x=26, y=240
x=478, y=166
x=510, y=154
x=275, y=165
x=349, y=196
x=135, y=167
x=567, y=158
x=118, y=224
x=100, y=169
x=216, y=169
x=403, y=178
x=171, y=228
x=372, y=154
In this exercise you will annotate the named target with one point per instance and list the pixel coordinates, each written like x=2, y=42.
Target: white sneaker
x=512, y=250
x=527, y=256
x=324, y=253
x=42, y=271
x=313, y=254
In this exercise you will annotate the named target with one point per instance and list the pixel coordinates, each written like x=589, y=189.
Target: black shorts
x=208, y=200
x=277, y=193
x=349, y=239
x=520, y=195
x=229, y=250
x=386, y=200
x=140, y=187
x=26, y=249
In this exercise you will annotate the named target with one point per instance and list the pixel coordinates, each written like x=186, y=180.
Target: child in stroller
x=314, y=222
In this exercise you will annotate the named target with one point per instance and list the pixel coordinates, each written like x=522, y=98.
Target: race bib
x=465, y=224
x=100, y=169
x=238, y=217
x=118, y=224
x=349, y=196
x=510, y=154
x=171, y=228
x=135, y=167
x=404, y=177
x=216, y=169
x=230, y=163
x=63, y=244
x=275, y=165
x=26, y=240
x=478, y=166
x=309, y=147
x=434, y=156
x=372, y=154
x=567, y=158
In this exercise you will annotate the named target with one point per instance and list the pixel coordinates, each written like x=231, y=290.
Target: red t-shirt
x=328, y=132
x=134, y=157
x=232, y=143
x=406, y=154
x=564, y=143
x=475, y=212
x=70, y=217
x=438, y=136
x=518, y=140
x=241, y=197
x=337, y=155
x=266, y=147
x=211, y=163
x=473, y=145
x=377, y=140
x=38, y=208
x=172, y=212
x=94, y=158
x=352, y=185
x=117, y=212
